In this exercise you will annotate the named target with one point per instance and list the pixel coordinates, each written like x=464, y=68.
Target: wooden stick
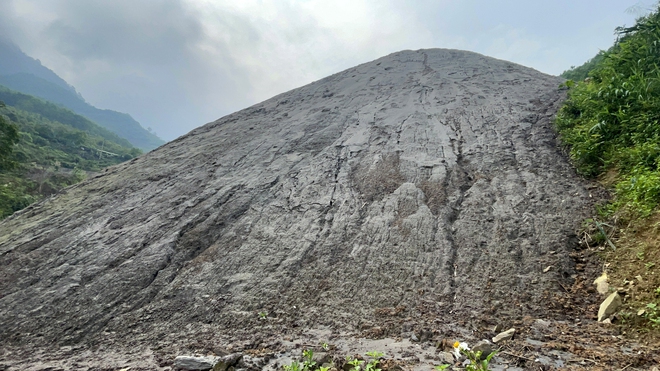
x=515, y=355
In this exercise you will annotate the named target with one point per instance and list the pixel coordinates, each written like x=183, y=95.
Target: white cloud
x=176, y=64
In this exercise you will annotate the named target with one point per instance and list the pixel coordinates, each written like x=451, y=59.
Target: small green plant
x=308, y=359
x=476, y=363
x=325, y=346
x=356, y=363
x=373, y=364
x=442, y=367
x=294, y=366
x=307, y=364
x=263, y=315
x=653, y=314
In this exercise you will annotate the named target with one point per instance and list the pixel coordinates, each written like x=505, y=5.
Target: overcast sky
x=178, y=64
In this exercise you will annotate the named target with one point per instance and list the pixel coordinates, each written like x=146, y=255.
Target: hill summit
x=425, y=187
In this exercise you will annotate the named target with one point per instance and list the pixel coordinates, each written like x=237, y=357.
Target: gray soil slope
x=427, y=183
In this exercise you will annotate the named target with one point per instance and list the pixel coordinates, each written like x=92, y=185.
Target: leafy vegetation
x=353, y=364
x=47, y=148
x=582, y=72
x=611, y=122
x=8, y=137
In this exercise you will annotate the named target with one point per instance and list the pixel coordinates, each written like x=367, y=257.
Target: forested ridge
x=54, y=148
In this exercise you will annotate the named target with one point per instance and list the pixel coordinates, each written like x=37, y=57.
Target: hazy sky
x=177, y=64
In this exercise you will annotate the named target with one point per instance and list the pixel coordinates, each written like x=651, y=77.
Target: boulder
x=609, y=306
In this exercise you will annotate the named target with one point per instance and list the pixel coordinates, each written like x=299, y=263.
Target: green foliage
x=14, y=195
x=54, y=113
x=307, y=364
x=476, y=363
x=582, y=72
x=118, y=123
x=8, y=138
x=612, y=121
x=652, y=314
x=48, y=155
x=356, y=363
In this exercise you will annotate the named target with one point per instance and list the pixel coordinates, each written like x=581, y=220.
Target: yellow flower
x=456, y=344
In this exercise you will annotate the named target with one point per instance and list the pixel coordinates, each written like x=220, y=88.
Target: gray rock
x=195, y=363
x=227, y=361
x=446, y=357
x=609, y=306
x=506, y=335
x=321, y=357
x=409, y=179
x=485, y=347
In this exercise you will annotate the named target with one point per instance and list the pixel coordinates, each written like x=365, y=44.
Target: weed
x=356, y=363
x=476, y=363
x=307, y=364
x=263, y=315
x=653, y=314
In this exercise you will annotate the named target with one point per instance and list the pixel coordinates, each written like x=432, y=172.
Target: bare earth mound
x=425, y=186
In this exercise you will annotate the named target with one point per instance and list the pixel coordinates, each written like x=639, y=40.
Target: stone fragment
x=506, y=335
x=609, y=306
x=446, y=357
x=227, y=361
x=547, y=269
x=485, y=347
x=601, y=284
x=195, y=363
x=321, y=357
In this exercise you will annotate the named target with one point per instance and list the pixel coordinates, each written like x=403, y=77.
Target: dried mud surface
x=423, y=191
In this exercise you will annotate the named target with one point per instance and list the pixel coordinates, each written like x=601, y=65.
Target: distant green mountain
x=57, y=113
x=13, y=60
x=56, y=148
x=24, y=74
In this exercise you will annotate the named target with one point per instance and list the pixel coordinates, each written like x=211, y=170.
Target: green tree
x=8, y=138
x=612, y=120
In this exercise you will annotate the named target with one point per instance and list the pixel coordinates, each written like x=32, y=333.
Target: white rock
x=609, y=306
x=601, y=284
x=506, y=335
